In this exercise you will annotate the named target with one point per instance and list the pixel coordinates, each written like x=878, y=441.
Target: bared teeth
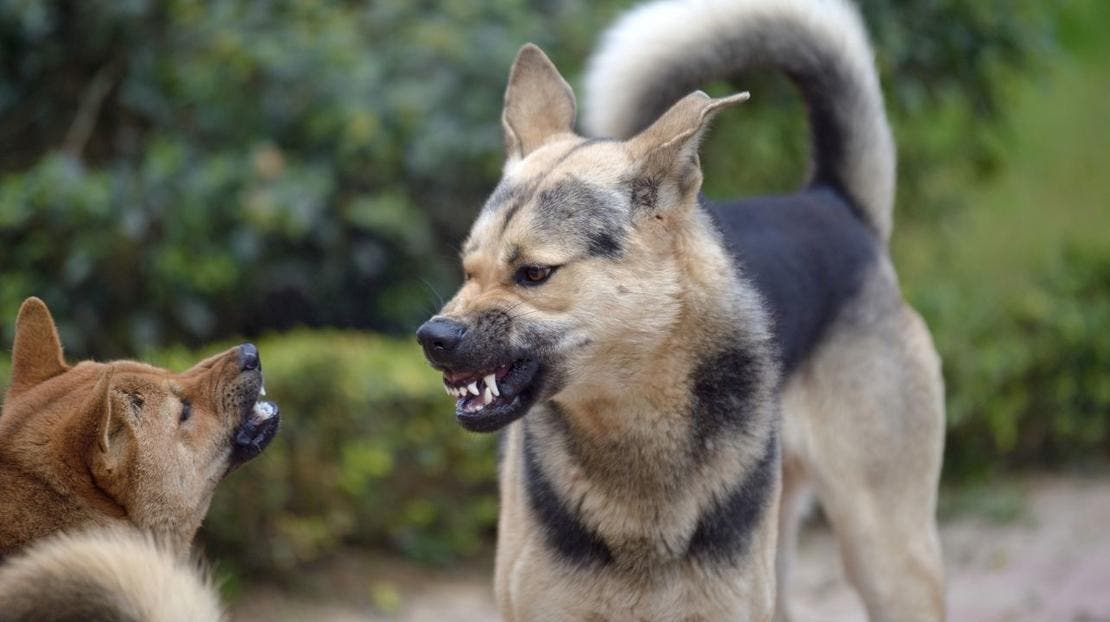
x=484, y=389
x=491, y=384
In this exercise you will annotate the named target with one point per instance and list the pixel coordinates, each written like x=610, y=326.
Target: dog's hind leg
x=872, y=435
x=795, y=499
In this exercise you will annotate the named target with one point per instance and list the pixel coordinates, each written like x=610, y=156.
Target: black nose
x=248, y=357
x=440, y=337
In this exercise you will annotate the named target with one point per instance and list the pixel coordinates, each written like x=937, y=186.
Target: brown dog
x=120, y=443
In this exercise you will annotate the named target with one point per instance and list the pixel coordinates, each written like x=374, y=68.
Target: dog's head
x=131, y=438
x=572, y=268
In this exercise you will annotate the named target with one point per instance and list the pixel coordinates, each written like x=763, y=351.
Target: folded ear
x=37, y=351
x=668, y=148
x=539, y=104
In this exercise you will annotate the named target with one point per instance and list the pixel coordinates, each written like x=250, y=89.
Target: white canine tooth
x=473, y=387
x=491, y=384
x=262, y=393
x=487, y=397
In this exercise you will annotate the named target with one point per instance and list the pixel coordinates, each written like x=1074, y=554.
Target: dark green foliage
x=180, y=172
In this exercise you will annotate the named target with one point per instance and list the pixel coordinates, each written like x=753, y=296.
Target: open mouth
x=488, y=400
x=258, y=427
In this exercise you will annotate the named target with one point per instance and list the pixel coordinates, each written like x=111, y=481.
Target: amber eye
x=533, y=275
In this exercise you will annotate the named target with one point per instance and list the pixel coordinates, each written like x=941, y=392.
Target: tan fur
x=643, y=321
x=628, y=326
x=107, y=575
x=875, y=475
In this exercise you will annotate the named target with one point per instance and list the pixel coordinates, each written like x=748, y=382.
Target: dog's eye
x=186, y=411
x=533, y=275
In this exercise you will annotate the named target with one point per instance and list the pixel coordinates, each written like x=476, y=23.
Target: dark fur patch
x=723, y=534
x=510, y=197
x=645, y=193
x=602, y=244
x=806, y=254
x=562, y=530
x=485, y=343
x=725, y=386
x=577, y=210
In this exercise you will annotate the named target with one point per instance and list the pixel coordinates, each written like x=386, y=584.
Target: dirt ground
x=1046, y=560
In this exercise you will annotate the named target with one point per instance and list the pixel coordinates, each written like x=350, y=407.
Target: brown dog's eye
x=186, y=411
x=534, y=275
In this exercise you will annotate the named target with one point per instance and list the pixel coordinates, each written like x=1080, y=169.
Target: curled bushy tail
x=117, y=575
x=661, y=51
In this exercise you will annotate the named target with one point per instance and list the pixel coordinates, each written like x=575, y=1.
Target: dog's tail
x=661, y=51
x=109, y=574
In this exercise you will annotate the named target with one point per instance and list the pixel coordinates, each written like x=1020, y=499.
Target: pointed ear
x=37, y=351
x=668, y=148
x=539, y=104
x=100, y=403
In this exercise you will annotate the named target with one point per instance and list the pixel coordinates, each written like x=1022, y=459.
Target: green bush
x=1028, y=383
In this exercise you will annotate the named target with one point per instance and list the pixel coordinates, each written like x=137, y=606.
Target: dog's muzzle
x=260, y=419
x=492, y=386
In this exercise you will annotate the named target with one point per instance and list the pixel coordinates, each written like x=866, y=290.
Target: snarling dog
x=112, y=447
x=674, y=375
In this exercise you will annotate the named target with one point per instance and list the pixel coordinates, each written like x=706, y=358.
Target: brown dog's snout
x=248, y=357
x=440, y=338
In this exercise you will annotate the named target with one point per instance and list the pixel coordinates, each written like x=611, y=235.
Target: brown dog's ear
x=101, y=404
x=668, y=148
x=539, y=104
x=37, y=351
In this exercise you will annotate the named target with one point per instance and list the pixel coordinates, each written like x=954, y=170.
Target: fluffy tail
x=114, y=574
x=661, y=51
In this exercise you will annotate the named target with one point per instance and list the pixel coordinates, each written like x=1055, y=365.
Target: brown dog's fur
x=115, y=446
x=102, y=443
